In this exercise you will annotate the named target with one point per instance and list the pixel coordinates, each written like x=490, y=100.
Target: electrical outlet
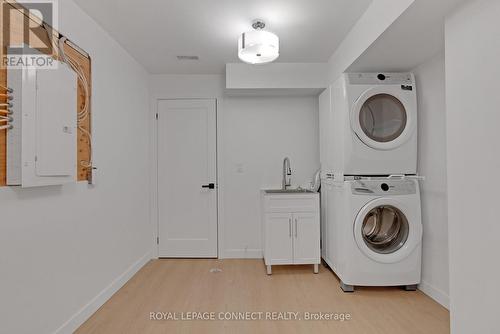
x=240, y=168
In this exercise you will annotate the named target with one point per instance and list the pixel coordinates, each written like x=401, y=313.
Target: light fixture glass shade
x=258, y=47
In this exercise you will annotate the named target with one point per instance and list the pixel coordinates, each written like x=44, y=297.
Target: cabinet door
x=306, y=238
x=279, y=239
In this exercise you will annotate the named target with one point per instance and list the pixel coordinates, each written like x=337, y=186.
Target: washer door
x=385, y=233
x=383, y=119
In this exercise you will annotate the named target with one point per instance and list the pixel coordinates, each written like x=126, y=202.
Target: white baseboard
x=436, y=294
x=242, y=254
x=81, y=316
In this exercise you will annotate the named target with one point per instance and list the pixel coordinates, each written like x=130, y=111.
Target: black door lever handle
x=209, y=186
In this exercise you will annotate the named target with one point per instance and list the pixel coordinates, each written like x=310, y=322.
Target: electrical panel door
x=56, y=122
x=41, y=147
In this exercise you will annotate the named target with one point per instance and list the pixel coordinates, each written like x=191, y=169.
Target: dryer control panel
x=384, y=187
x=380, y=79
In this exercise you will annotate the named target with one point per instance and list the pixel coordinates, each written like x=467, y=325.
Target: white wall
x=276, y=75
x=255, y=134
x=430, y=78
x=60, y=247
x=259, y=132
x=186, y=86
x=371, y=25
x=473, y=118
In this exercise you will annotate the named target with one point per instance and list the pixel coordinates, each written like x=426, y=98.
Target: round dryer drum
x=382, y=119
x=384, y=232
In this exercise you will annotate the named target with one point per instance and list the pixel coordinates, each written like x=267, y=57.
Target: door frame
x=153, y=144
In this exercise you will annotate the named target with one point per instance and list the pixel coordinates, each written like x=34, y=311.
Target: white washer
x=372, y=125
x=372, y=232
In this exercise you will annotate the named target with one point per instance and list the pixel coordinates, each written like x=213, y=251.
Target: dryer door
x=385, y=232
x=384, y=118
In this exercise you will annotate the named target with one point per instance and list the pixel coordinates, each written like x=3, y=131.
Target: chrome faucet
x=287, y=174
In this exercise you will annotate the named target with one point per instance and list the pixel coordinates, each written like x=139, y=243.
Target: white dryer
x=370, y=125
x=372, y=233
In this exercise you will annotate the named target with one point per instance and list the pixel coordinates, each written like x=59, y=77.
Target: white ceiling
x=155, y=32
x=416, y=36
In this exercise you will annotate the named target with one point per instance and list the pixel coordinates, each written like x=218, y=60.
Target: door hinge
x=157, y=240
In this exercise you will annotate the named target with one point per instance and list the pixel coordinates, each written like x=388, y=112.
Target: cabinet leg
x=412, y=287
x=316, y=268
x=269, y=270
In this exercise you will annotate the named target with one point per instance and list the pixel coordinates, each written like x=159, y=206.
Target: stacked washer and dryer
x=371, y=216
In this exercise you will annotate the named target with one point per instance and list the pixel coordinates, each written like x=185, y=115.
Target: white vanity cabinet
x=291, y=229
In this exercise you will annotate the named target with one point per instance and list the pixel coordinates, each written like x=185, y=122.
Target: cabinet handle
x=296, y=232
x=290, y=227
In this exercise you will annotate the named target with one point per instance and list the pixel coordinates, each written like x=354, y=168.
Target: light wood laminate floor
x=242, y=285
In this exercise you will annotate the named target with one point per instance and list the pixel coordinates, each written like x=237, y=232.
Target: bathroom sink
x=288, y=191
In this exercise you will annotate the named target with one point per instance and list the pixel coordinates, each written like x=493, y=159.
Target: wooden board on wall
x=16, y=32
x=3, y=134
x=83, y=141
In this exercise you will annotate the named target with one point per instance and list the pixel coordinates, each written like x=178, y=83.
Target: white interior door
x=187, y=191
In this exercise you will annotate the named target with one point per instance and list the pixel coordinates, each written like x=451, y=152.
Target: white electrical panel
x=42, y=145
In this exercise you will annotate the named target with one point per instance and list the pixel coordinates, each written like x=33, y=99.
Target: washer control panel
x=384, y=187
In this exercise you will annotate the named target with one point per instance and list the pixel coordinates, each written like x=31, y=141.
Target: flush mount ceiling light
x=258, y=46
